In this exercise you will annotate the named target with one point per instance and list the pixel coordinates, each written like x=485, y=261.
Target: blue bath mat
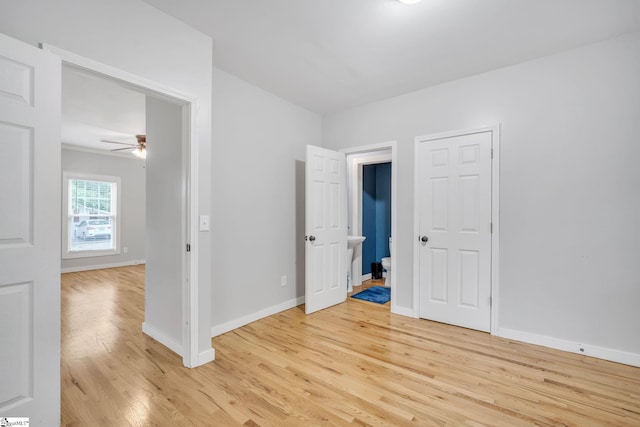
x=377, y=294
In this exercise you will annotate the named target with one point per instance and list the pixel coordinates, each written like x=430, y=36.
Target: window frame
x=67, y=178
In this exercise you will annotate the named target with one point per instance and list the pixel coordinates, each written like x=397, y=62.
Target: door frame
x=370, y=150
x=189, y=262
x=356, y=186
x=495, y=216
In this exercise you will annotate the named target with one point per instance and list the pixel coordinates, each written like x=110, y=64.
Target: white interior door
x=453, y=189
x=29, y=233
x=326, y=229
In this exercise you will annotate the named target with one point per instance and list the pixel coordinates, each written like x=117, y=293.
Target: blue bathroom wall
x=383, y=210
x=368, y=217
x=376, y=213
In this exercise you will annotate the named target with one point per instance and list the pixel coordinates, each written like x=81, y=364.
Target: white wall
x=165, y=226
x=259, y=145
x=569, y=199
x=139, y=39
x=132, y=205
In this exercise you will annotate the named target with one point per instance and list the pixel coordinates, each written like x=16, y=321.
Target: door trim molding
x=368, y=149
x=190, y=351
x=495, y=217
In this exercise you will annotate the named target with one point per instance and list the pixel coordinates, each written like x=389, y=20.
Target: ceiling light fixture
x=140, y=152
x=409, y=1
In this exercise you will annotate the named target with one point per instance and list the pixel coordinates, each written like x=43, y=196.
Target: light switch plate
x=204, y=222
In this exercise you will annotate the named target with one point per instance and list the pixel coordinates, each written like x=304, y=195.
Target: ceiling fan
x=139, y=149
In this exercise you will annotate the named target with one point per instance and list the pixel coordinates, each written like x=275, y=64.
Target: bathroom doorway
x=368, y=168
x=376, y=221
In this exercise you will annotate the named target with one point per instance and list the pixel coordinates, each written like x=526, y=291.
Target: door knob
x=312, y=238
x=424, y=239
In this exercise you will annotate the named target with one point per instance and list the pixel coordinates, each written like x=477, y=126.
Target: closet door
x=453, y=189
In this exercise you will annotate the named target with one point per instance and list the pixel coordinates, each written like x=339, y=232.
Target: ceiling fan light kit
x=139, y=152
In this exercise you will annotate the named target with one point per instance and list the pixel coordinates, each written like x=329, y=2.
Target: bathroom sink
x=353, y=241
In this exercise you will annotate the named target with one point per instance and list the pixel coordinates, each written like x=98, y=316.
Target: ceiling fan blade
x=120, y=149
x=118, y=142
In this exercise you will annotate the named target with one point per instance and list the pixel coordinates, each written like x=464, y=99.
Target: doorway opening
x=181, y=335
x=371, y=212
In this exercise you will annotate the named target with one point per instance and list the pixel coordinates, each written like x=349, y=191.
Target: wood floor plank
x=352, y=364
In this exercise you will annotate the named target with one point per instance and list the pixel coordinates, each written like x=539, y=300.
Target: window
x=92, y=220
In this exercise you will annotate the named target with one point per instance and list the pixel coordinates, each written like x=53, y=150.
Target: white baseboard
x=613, y=355
x=206, y=356
x=245, y=320
x=101, y=266
x=162, y=338
x=366, y=277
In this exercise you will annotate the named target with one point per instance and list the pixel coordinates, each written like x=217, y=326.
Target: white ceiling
x=95, y=108
x=327, y=55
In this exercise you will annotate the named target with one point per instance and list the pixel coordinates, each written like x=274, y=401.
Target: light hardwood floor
x=353, y=364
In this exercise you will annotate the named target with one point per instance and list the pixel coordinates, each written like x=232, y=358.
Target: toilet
x=386, y=264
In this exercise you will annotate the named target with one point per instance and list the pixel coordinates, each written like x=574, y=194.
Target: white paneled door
x=453, y=189
x=29, y=233
x=326, y=229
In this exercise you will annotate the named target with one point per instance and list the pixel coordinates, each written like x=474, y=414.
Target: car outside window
x=92, y=215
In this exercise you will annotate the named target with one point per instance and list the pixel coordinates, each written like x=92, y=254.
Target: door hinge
x=492, y=153
x=491, y=228
x=188, y=247
x=490, y=301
